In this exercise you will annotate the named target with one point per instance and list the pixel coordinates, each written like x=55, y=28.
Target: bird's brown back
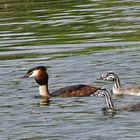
x=75, y=91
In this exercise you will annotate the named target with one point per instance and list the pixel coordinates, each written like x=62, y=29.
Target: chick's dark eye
x=111, y=77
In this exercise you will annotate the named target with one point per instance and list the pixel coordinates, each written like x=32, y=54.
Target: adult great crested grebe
x=41, y=76
x=117, y=89
x=110, y=105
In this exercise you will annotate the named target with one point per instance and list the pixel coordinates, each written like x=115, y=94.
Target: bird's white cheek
x=34, y=73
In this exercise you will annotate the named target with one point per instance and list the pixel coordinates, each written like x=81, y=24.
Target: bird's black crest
x=36, y=68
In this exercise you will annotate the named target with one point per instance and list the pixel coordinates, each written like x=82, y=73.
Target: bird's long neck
x=42, y=80
x=109, y=100
x=44, y=91
x=117, y=83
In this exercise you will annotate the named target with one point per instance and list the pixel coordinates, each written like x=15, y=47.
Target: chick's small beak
x=100, y=78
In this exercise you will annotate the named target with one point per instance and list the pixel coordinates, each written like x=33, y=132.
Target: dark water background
x=77, y=41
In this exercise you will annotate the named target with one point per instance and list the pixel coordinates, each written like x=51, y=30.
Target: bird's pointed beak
x=25, y=76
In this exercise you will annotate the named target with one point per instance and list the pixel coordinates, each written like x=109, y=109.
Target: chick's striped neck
x=108, y=100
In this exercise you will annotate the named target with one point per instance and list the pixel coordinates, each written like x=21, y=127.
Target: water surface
x=77, y=41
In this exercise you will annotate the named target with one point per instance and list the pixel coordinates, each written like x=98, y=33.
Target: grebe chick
x=41, y=76
x=110, y=105
x=117, y=89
